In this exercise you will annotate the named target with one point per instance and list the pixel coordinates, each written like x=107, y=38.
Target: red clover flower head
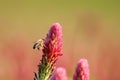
x=59, y=74
x=82, y=70
x=52, y=49
x=53, y=41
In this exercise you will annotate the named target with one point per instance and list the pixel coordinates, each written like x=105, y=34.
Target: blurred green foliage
x=33, y=17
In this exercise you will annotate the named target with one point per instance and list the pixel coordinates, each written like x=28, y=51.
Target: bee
x=39, y=44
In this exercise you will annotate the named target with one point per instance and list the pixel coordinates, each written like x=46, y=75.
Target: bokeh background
x=91, y=30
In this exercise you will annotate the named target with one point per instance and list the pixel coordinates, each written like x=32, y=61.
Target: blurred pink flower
x=59, y=74
x=82, y=70
x=17, y=53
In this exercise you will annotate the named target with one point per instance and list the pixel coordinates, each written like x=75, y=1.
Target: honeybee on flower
x=39, y=44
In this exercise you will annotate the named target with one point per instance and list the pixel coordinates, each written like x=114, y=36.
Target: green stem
x=45, y=71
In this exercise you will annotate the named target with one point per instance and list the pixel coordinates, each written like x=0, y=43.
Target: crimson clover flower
x=82, y=70
x=59, y=74
x=52, y=49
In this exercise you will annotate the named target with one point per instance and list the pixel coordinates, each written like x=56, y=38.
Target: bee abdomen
x=34, y=46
